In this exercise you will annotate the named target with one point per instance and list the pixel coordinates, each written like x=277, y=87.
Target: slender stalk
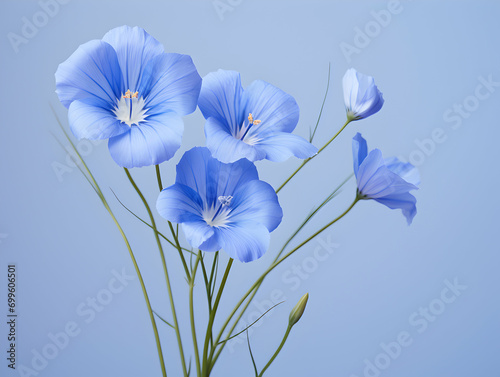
x=258, y=283
x=206, y=360
x=158, y=177
x=285, y=337
x=310, y=158
x=165, y=270
x=191, y=315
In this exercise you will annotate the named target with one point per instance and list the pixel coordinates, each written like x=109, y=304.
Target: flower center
x=130, y=109
x=218, y=217
x=243, y=133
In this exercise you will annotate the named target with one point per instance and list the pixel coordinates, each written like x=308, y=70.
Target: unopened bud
x=298, y=310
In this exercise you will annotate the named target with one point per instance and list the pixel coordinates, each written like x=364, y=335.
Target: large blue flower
x=387, y=181
x=125, y=88
x=221, y=206
x=361, y=96
x=256, y=123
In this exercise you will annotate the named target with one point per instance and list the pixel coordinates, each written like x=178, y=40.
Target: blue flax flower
x=361, y=96
x=125, y=88
x=256, y=123
x=221, y=206
x=387, y=181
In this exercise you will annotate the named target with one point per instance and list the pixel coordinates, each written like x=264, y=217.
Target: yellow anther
x=250, y=118
x=252, y=121
x=129, y=94
x=256, y=122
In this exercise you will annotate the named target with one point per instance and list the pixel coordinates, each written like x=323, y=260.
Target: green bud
x=298, y=310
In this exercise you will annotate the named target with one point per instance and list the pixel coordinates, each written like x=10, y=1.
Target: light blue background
x=426, y=59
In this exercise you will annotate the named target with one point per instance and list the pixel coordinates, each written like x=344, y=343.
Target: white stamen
x=122, y=110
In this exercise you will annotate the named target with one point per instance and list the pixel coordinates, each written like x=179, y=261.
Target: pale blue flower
x=125, y=88
x=387, y=181
x=255, y=123
x=221, y=206
x=361, y=96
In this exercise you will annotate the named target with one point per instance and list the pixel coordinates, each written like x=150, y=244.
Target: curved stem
x=165, y=270
x=191, y=315
x=310, y=158
x=285, y=337
x=259, y=281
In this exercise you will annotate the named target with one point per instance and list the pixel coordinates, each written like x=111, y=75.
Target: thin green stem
x=258, y=283
x=165, y=270
x=158, y=177
x=191, y=315
x=206, y=360
x=310, y=158
x=285, y=337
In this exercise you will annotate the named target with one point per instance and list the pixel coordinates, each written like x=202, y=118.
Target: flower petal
x=384, y=183
x=275, y=109
x=90, y=118
x=245, y=241
x=151, y=143
x=134, y=48
x=171, y=83
x=361, y=96
x=404, y=169
x=179, y=203
x=359, y=151
x=225, y=147
x=91, y=71
x=406, y=202
x=368, y=168
x=199, y=234
x=220, y=98
x=279, y=146
x=256, y=201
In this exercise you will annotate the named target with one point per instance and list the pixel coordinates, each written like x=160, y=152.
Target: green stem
x=165, y=270
x=310, y=158
x=191, y=315
x=258, y=283
x=158, y=177
x=206, y=360
x=285, y=337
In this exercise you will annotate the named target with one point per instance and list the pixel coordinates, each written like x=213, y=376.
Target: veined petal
x=404, y=169
x=134, y=48
x=225, y=147
x=199, y=234
x=279, y=146
x=90, y=118
x=384, y=182
x=245, y=241
x=171, y=83
x=369, y=167
x=256, y=201
x=406, y=202
x=275, y=109
x=359, y=151
x=220, y=98
x=151, y=143
x=179, y=203
x=361, y=96
x=91, y=71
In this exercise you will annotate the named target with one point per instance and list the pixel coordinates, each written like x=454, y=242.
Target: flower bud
x=298, y=310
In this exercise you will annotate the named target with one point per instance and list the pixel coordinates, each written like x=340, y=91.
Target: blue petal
x=179, y=203
x=210, y=178
x=257, y=201
x=406, y=202
x=199, y=235
x=225, y=147
x=134, y=48
x=220, y=98
x=275, y=109
x=404, y=169
x=245, y=241
x=280, y=146
x=170, y=83
x=361, y=96
x=368, y=168
x=151, y=143
x=384, y=183
x=359, y=151
x=91, y=71
x=90, y=118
